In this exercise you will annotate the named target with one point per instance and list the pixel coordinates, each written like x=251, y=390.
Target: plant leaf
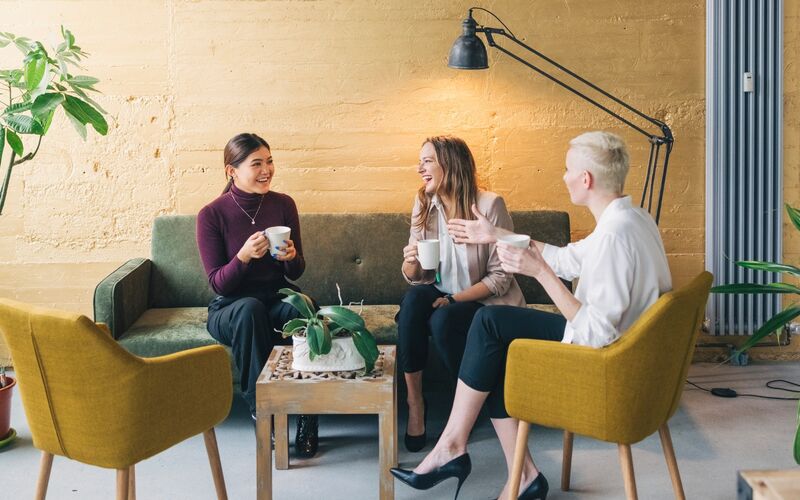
x=794, y=216
x=293, y=325
x=315, y=336
x=82, y=81
x=24, y=124
x=367, y=347
x=85, y=113
x=327, y=340
x=23, y=44
x=343, y=316
x=297, y=300
x=34, y=72
x=2, y=143
x=86, y=98
x=797, y=437
x=770, y=326
x=18, y=107
x=45, y=104
x=15, y=142
x=772, y=267
x=3, y=43
x=79, y=126
x=47, y=121
x=756, y=288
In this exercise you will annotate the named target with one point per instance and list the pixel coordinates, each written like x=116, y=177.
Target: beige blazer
x=482, y=260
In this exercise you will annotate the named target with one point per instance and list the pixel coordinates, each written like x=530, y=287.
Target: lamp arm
x=665, y=138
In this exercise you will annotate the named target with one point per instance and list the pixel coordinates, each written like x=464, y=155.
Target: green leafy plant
x=780, y=319
x=321, y=326
x=36, y=90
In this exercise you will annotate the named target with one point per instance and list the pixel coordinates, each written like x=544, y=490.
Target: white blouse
x=453, y=264
x=622, y=270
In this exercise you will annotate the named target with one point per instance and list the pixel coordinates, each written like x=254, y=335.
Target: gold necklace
x=253, y=218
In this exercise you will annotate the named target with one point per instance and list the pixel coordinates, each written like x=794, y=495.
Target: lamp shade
x=468, y=51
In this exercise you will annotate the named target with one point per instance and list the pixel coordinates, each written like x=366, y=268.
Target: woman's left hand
x=286, y=252
x=527, y=261
x=440, y=302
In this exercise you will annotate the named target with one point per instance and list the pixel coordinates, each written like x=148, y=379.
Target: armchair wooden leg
x=672, y=464
x=566, y=460
x=45, y=466
x=216, y=466
x=122, y=483
x=132, y=483
x=519, y=457
x=626, y=460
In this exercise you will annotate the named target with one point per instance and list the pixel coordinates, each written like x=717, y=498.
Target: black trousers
x=492, y=330
x=247, y=324
x=418, y=320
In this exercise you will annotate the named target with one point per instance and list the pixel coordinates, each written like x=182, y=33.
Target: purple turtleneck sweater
x=222, y=229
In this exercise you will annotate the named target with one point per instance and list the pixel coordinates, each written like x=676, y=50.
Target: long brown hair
x=238, y=149
x=459, y=185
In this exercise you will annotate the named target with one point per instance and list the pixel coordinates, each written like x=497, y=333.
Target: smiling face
x=429, y=168
x=254, y=174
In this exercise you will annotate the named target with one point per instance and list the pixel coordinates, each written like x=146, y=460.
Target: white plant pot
x=343, y=356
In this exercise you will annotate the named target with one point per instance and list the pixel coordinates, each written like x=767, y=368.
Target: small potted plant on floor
x=7, y=383
x=334, y=338
x=777, y=322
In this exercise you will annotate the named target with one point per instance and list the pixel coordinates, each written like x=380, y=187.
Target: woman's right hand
x=256, y=246
x=476, y=231
x=410, y=254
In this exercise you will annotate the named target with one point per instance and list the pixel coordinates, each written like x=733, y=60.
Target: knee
x=440, y=322
x=485, y=322
x=417, y=297
x=249, y=311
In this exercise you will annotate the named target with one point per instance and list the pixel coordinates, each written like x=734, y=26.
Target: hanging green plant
x=36, y=90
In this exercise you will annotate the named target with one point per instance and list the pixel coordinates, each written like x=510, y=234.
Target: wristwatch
x=450, y=298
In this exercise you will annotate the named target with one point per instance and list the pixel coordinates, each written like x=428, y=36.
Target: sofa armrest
x=122, y=296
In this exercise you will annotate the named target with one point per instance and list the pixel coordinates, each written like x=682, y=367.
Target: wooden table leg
x=264, y=457
x=387, y=452
x=281, y=441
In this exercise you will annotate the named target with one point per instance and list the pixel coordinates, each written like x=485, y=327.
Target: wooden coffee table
x=281, y=391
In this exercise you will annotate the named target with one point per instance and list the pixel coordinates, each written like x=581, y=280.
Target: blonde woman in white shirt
x=622, y=270
x=441, y=302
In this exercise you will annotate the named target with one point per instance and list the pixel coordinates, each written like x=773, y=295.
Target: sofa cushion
x=178, y=278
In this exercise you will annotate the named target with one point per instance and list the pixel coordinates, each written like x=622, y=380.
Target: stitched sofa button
x=358, y=260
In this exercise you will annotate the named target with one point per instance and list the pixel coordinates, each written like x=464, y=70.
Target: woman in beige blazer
x=442, y=302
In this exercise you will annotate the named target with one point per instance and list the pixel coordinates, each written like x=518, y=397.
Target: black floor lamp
x=469, y=52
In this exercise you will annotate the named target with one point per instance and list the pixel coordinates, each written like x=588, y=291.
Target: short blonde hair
x=608, y=158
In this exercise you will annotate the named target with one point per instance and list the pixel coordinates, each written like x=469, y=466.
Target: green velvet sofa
x=158, y=306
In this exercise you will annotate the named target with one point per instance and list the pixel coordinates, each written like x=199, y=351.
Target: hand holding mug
x=410, y=254
x=521, y=260
x=255, y=247
x=285, y=252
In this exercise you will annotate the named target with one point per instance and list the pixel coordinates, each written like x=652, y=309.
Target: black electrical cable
x=730, y=393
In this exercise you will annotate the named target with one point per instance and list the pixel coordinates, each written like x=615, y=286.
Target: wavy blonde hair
x=459, y=185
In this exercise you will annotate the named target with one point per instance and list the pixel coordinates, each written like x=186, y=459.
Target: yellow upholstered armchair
x=88, y=399
x=621, y=393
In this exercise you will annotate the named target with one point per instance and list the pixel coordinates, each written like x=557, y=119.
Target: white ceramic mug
x=276, y=236
x=428, y=254
x=517, y=240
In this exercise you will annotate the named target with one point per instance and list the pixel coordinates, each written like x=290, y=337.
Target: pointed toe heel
x=459, y=467
x=537, y=490
x=417, y=443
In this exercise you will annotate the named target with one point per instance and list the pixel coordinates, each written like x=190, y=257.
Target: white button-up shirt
x=622, y=270
x=454, y=267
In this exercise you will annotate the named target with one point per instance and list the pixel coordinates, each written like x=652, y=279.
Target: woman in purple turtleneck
x=242, y=271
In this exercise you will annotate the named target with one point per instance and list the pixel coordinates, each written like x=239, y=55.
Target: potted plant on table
x=334, y=338
x=780, y=319
x=36, y=90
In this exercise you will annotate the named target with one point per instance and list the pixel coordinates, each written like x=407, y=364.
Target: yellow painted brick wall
x=345, y=92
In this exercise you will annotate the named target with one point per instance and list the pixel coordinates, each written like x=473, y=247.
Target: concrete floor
x=713, y=438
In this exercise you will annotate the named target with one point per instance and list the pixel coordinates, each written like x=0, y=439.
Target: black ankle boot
x=306, y=441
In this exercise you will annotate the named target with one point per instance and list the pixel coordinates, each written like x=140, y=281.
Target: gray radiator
x=744, y=155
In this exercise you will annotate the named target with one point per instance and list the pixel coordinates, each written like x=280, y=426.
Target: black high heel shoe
x=306, y=441
x=537, y=490
x=459, y=467
x=416, y=443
